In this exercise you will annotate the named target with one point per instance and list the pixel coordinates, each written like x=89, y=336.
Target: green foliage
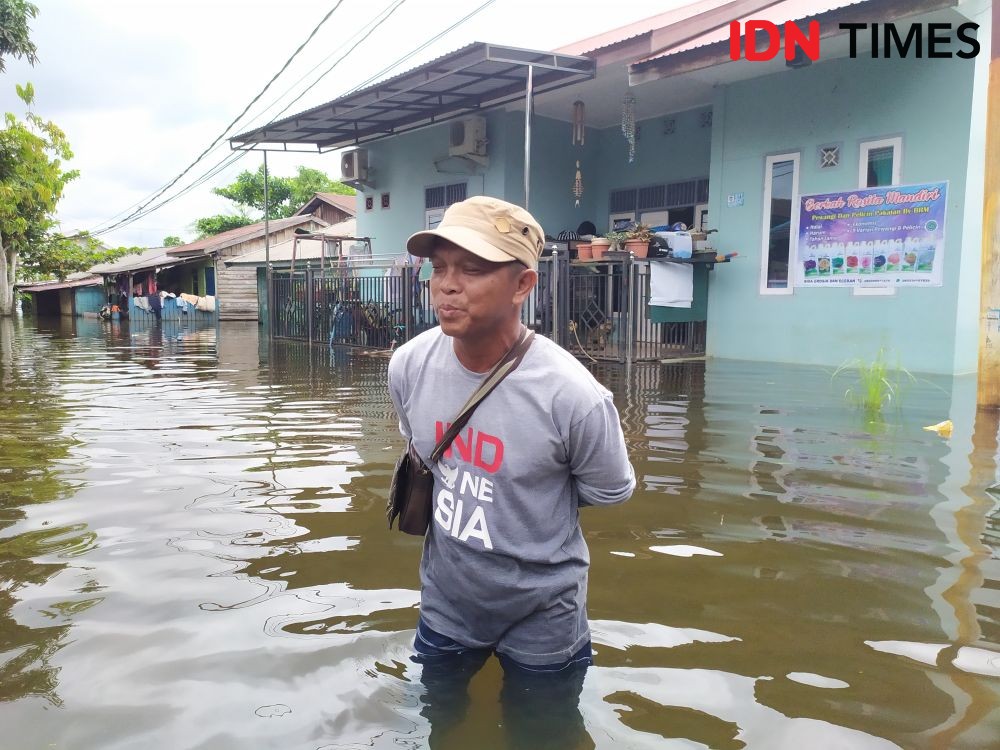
x=309, y=181
x=212, y=225
x=877, y=384
x=32, y=180
x=56, y=256
x=248, y=191
x=14, y=38
x=639, y=232
x=172, y=241
x=286, y=195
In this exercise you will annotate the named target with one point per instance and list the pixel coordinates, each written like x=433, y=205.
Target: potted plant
x=637, y=240
x=583, y=251
x=600, y=245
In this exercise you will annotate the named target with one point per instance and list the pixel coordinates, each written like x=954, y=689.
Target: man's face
x=472, y=296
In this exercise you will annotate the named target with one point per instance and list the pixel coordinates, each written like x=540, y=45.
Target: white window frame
x=896, y=142
x=793, y=229
x=866, y=147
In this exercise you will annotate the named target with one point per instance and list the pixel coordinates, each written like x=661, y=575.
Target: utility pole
x=988, y=393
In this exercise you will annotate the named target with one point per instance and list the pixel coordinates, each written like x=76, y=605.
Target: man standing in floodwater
x=504, y=566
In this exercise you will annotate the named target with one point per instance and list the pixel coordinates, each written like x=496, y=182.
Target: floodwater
x=193, y=554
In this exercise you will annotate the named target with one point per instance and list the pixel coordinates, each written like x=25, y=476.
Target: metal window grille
x=456, y=192
x=434, y=197
x=652, y=197
x=623, y=200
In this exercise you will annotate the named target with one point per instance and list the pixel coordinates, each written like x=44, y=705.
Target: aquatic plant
x=877, y=385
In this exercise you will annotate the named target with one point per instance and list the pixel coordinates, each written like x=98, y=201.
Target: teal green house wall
x=937, y=107
x=929, y=104
x=403, y=166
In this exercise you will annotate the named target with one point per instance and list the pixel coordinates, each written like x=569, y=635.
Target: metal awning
x=477, y=77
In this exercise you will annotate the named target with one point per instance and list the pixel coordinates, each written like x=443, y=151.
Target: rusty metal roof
x=474, y=78
x=70, y=282
x=793, y=10
x=209, y=245
x=346, y=203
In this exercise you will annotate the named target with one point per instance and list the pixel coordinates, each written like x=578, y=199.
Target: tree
x=211, y=225
x=14, y=40
x=248, y=191
x=31, y=183
x=32, y=179
x=286, y=195
x=172, y=241
x=309, y=181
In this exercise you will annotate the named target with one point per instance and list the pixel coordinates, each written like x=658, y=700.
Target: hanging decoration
x=578, y=126
x=628, y=124
x=578, y=185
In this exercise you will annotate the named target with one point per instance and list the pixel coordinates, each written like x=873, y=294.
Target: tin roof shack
x=75, y=295
x=306, y=250
x=131, y=281
x=332, y=208
x=235, y=287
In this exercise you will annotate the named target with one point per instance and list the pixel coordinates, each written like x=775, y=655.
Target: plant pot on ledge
x=599, y=246
x=584, y=251
x=639, y=248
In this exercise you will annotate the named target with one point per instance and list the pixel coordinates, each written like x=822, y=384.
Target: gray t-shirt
x=504, y=562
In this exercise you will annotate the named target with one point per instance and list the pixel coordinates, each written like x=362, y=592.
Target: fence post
x=554, y=277
x=630, y=318
x=407, y=280
x=309, y=304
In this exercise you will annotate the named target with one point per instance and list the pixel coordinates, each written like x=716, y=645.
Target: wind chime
x=628, y=124
x=579, y=133
x=578, y=185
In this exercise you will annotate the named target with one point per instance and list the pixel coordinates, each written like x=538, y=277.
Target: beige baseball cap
x=488, y=227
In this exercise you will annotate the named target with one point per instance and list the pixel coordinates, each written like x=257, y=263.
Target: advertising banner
x=885, y=236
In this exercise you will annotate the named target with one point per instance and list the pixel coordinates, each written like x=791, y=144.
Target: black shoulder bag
x=412, y=489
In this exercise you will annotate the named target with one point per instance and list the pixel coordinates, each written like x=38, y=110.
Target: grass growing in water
x=878, y=384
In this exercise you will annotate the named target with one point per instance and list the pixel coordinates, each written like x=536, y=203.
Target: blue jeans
x=540, y=703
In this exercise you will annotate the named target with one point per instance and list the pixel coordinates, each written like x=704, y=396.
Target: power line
x=306, y=90
x=422, y=47
x=233, y=157
x=230, y=126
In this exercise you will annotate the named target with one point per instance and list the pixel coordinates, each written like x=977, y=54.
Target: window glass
x=781, y=177
x=880, y=166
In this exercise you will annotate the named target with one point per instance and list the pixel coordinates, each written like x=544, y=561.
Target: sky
x=142, y=87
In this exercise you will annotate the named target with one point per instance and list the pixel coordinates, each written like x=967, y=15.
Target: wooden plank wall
x=236, y=287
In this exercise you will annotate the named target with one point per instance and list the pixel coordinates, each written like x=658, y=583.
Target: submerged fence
x=599, y=311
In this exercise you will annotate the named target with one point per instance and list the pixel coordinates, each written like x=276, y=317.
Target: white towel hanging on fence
x=671, y=284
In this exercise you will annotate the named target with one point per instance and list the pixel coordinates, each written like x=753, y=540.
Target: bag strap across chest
x=507, y=364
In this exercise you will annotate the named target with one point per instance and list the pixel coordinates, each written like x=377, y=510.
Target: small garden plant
x=878, y=383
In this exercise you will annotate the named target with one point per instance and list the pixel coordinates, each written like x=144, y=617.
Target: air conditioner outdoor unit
x=468, y=137
x=354, y=167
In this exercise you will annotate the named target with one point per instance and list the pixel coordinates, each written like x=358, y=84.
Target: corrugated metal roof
x=614, y=37
x=346, y=203
x=307, y=249
x=209, y=245
x=155, y=257
x=778, y=13
x=70, y=282
x=474, y=78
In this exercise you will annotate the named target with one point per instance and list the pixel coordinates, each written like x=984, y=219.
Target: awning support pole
x=528, y=96
x=267, y=249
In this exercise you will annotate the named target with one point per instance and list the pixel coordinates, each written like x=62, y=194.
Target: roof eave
x=717, y=53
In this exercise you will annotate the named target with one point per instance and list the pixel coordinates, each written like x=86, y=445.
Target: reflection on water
x=193, y=554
